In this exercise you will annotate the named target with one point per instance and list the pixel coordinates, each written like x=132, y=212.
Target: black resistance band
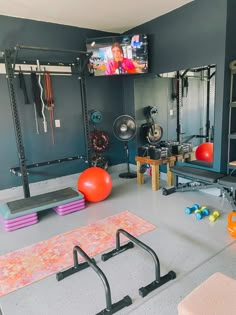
x=23, y=87
x=36, y=94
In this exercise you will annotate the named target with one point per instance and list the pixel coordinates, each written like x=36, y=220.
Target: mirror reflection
x=176, y=110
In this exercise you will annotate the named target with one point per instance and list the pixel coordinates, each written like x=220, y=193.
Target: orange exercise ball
x=95, y=184
x=204, y=152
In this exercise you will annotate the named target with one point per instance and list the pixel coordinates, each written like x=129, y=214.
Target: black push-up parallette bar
x=110, y=308
x=76, y=268
x=159, y=280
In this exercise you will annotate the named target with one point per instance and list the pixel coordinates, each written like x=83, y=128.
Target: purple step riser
x=9, y=229
x=21, y=218
x=71, y=208
x=12, y=224
x=68, y=211
x=71, y=204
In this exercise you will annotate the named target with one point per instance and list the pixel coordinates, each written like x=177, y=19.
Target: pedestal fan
x=124, y=129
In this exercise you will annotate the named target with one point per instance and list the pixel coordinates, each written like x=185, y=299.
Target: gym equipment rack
x=16, y=170
x=179, y=103
x=10, y=57
x=231, y=160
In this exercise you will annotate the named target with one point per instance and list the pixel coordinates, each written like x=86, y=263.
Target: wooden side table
x=155, y=165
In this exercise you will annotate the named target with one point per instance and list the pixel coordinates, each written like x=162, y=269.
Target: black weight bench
x=202, y=176
x=203, y=179
x=228, y=181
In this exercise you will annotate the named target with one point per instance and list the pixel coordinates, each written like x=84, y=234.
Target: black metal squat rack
x=179, y=104
x=78, y=67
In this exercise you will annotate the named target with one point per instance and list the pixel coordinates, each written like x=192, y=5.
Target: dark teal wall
x=106, y=95
x=229, y=56
x=191, y=36
x=102, y=94
x=230, y=38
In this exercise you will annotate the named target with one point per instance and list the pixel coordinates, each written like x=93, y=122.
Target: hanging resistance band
x=36, y=94
x=49, y=100
x=23, y=87
x=41, y=97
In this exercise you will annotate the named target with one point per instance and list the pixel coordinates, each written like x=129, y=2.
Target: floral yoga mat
x=35, y=262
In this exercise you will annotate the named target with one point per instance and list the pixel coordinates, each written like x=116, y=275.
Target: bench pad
x=197, y=174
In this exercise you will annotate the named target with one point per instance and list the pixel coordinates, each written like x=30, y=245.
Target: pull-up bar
x=18, y=47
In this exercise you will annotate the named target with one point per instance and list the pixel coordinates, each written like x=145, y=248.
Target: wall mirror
x=183, y=106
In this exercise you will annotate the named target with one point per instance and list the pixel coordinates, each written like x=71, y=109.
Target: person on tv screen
x=119, y=64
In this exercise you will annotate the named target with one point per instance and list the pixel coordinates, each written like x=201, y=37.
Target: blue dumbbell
x=202, y=212
x=189, y=210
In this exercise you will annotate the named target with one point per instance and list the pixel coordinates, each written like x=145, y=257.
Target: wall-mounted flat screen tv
x=118, y=55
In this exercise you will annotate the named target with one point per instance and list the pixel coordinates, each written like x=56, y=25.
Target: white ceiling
x=106, y=15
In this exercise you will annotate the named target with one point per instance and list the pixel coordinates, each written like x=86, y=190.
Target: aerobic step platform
x=20, y=213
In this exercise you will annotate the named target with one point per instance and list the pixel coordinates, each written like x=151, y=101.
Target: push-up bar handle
x=119, y=249
x=110, y=308
x=159, y=281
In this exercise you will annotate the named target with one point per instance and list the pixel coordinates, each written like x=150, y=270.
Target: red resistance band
x=49, y=100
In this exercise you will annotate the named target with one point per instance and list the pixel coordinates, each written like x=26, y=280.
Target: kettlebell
x=232, y=224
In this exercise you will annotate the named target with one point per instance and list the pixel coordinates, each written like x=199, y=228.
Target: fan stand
x=128, y=174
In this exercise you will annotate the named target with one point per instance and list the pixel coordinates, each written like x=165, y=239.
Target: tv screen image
x=118, y=55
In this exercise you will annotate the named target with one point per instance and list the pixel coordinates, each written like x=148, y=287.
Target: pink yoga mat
x=33, y=263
